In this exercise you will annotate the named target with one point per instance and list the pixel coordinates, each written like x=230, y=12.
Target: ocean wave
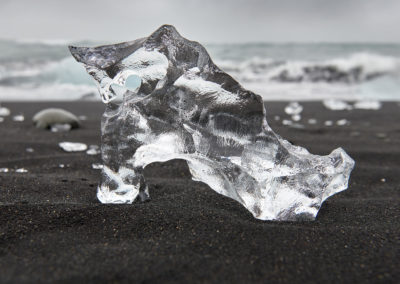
x=352, y=77
x=63, y=71
x=353, y=69
x=51, y=92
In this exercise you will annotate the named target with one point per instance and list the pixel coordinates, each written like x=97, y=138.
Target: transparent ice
x=19, y=118
x=372, y=105
x=166, y=99
x=97, y=166
x=294, y=109
x=4, y=111
x=60, y=127
x=93, y=150
x=73, y=146
x=342, y=122
x=333, y=104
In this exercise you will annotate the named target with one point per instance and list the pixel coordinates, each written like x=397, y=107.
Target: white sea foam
x=43, y=70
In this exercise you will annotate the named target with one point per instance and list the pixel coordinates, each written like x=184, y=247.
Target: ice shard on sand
x=166, y=99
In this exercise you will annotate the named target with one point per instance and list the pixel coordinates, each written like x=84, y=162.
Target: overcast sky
x=209, y=21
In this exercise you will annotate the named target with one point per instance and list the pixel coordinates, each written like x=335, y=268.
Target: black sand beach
x=52, y=228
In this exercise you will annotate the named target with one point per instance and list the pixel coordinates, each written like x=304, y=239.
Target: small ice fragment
x=342, y=122
x=297, y=125
x=287, y=122
x=312, y=121
x=4, y=111
x=61, y=166
x=293, y=108
x=1, y=119
x=383, y=180
x=19, y=117
x=60, y=127
x=93, y=150
x=3, y=170
x=373, y=105
x=381, y=135
x=82, y=117
x=296, y=117
x=29, y=150
x=73, y=146
x=277, y=117
x=97, y=166
x=328, y=123
x=21, y=170
x=333, y=104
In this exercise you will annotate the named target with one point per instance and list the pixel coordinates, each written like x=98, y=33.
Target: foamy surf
x=44, y=71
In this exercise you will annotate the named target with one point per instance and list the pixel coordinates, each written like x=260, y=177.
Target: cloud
x=203, y=20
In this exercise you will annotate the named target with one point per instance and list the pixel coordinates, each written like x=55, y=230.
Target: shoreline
x=52, y=228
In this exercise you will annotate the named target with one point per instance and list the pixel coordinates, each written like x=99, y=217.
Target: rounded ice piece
x=72, y=146
x=293, y=108
x=4, y=111
x=49, y=117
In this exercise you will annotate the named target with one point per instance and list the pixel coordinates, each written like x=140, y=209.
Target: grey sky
x=204, y=20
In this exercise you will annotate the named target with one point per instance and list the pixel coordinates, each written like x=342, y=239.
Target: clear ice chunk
x=97, y=166
x=19, y=118
x=294, y=109
x=93, y=150
x=4, y=111
x=333, y=104
x=368, y=104
x=72, y=146
x=60, y=127
x=180, y=105
x=342, y=122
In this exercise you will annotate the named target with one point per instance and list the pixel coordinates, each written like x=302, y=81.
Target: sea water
x=276, y=71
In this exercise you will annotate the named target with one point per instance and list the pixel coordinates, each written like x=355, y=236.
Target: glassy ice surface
x=342, y=122
x=73, y=146
x=97, y=166
x=93, y=150
x=336, y=105
x=58, y=127
x=373, y=105
x=166, y=99
x=4, y=111
x=294, y=109
x=19, y=118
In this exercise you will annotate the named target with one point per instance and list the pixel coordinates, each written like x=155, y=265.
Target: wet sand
x=52, y=228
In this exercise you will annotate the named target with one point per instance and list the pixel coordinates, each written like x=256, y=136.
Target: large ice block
x=166, y=99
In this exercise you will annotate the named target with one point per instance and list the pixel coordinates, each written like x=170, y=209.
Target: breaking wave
x=357, y=68
x=36, y=71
